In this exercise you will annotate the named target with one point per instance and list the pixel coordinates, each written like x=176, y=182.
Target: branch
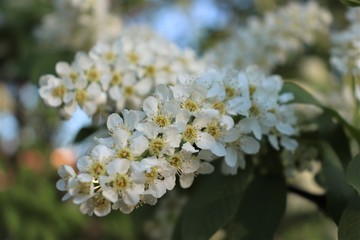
x=318, y=200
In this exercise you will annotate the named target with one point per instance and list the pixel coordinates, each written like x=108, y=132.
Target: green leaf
x=302, y=96
x=350, y=221
x=261, y=208
x=213, y=204
x=84, y=133
x=338, y=191
x=335, y=135
x=351, y=3
x=176, y=234
x=353, y=173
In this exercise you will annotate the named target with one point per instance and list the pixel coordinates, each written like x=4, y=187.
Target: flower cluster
x=346, y=50
x=83, y=23
x=270, y=41
x=116, y=74
x=182, y=128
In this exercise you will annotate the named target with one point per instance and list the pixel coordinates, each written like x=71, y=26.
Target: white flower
x=120, y=128
x=69, y=73
x=82, y=24
x=192, y=132
x=236, y=149
x=67, y=175
x=161, y=110
x=129, y=121
x=119, y=183
x=123, y=207
x=228, y=91
x=346, y=46
x=107, y=52
x=117, y=74
x=156, y=174
x=180, y=131
x=98, y=204
x=88, y=98
x=94, y=164
x=232, y=170
x=190, y=96
x=208, y=130
x=54, y=91
x=81, y=188
x=131, y=91
x=129, y=147
x=271, y=40
x=93, y=70
x=166, y=143
x=187, y=166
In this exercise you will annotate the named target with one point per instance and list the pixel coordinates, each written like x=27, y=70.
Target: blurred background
x=34, y=141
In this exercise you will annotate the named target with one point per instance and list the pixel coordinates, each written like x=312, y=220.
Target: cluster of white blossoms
x=117, y=74
x=273, y=39
x=180, y=130
x=78, y=24
x=345, y=54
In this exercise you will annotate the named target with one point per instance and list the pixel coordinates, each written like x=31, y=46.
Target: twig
x=318, y=200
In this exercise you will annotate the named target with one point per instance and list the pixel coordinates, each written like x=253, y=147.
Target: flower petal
x=204, y=140
x=150, y=106
x=249, y=145
x=218, y=149
x=120, y=166
x=114, y=121
x=186, y=180
x=205, y=168
x=110, y=194
x=231, y=157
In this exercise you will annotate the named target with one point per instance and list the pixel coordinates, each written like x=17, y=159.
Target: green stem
x=356, y=116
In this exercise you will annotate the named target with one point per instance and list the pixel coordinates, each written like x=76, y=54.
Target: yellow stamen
x=190, y=105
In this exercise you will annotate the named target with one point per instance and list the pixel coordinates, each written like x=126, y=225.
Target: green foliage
x=350, y=221
x=43, y=60
x=249, y=205
x=302, y=96
x=212, y=205
x=261, y=208
x=338, y=191
x=31, y=210
x=334, y=145
x=351, y=3
x=84, y=133
x=334, y=134
x=353, y=173
x=21, y=54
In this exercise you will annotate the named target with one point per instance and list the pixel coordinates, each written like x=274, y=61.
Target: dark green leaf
x=334, y=134
x=350, y=221
x=353, y=173
x=176, y=235
x=338, y=191
x=213, y=204
x=85, y=133
x=355, y=132
x=261, y=208
x=351, y=3
x=302, y=96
